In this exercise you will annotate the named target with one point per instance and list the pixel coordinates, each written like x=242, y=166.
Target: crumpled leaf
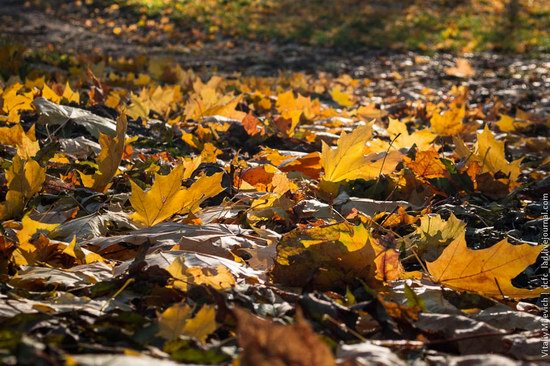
x=54, y=114
x=487, y=271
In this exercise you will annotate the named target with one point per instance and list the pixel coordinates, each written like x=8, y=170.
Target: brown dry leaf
x=266, y=343
x=486, y=271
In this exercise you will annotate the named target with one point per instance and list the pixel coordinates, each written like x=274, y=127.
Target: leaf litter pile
x=161, y=215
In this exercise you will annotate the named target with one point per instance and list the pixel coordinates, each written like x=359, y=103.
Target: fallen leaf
x=178, y=320
x=108, y=159
x=266, y=343
x=486, y=271
x=348, y=161
x=463, y=69
x=25, y=179
x=448, y=123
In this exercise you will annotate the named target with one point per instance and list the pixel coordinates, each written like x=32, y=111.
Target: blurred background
x=519, y=26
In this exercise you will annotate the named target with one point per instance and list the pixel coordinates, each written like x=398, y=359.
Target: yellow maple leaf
x=137, y=108
x=25, y=178
x=178, y=320
x=427, y=165
x=342, y=251
x=448, y=123
x=70, y=95
x=486, y=271
x=14, y=102
x=207, y=101
x=343, y=98
x=31, y=227
x=167, y=196
x=50, y=95
x=463, y=69
x=26, y=143
x=402, y=139
x=82, y=257
x=218, y=276
x=108, y=160
x=434, y=233
x=205, y=187
x=348, y=161
x=293, y=108
x=490, y=154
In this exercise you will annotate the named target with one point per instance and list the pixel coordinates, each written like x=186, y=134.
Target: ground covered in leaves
x=294, y=207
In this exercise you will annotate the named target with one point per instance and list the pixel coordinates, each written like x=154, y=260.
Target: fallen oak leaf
x=486, y=271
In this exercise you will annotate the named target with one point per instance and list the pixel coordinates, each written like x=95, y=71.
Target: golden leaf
x=486, y=271
x=218, y=276
x=463, y=69
x=164, y=199
x=25, y=178
x=343, y=98
x=31, y=227
x=50, y=95
x=108, y=160
x=330, y=256
x=490, y=154
x=70, y=95
x=26, y=143
x=82, y=256
x=14, y=102
x=427, y=165
x=434, y=234
x=177, y=320
x=450, y=122
x=167, y=197
x=348, y=162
